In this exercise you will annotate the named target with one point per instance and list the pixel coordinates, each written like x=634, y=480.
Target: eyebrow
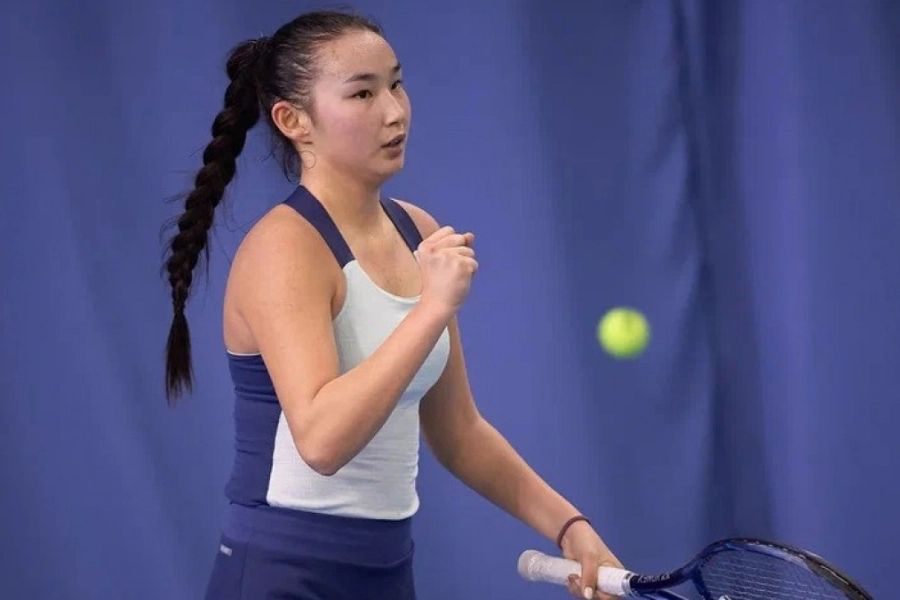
x=371, y=76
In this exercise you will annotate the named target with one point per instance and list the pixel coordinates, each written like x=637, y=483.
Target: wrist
x=567, y=526
x=435, y=309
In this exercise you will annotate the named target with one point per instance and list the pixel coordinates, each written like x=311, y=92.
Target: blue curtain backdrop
x=728, y=167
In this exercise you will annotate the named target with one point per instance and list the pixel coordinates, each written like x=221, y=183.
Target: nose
x=396, y=109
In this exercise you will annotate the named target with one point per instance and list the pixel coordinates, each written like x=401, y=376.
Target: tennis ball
x=623, y=332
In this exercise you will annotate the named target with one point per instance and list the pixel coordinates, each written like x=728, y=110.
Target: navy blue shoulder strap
x=312, y=210
x=403, y=222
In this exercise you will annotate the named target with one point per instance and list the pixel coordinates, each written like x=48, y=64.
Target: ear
x=292, y=121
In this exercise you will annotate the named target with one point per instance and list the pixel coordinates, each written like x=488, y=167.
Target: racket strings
x=756, y=576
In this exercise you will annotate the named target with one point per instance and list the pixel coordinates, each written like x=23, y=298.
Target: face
x=361, y=113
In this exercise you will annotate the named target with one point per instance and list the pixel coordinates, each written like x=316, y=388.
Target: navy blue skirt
x=269, y=553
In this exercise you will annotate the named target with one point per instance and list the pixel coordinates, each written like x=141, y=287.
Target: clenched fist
x=448, y=263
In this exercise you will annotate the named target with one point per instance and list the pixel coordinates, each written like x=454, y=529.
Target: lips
x=396, y=141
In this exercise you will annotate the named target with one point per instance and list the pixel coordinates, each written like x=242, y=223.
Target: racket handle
x=537, y=566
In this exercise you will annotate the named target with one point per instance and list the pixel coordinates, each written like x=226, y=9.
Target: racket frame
x=640, y=585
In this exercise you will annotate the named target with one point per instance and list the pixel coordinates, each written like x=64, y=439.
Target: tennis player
x=341, y=335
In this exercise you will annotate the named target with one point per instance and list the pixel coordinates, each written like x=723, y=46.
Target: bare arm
x=479, y=456
x=473, y=450
x=286, y=303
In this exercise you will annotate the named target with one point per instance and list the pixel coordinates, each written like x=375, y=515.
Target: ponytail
x=240, y=113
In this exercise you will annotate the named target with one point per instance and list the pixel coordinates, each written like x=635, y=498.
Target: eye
x=397, y=84
x=362, y=94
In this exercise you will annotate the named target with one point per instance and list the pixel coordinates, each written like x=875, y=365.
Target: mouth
x=396, y=141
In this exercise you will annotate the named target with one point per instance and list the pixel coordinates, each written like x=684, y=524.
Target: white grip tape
x=537, y=566
x=611, y=580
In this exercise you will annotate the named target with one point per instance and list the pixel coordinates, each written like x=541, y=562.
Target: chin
x=388, y=171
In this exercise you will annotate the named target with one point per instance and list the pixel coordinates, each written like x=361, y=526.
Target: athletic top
x=380, y=481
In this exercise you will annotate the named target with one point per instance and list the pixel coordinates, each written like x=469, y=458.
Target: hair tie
x=565, y=527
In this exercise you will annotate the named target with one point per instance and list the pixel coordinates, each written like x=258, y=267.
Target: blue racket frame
x=653, y=586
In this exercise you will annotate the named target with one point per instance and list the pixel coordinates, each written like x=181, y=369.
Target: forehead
x=356, y=52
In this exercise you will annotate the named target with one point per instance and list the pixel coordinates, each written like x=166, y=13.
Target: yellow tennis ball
x=623, y=332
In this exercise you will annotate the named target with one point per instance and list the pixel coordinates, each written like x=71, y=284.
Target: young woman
x=339, y=322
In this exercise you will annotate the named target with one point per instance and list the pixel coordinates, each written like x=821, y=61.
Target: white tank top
x=380, y=481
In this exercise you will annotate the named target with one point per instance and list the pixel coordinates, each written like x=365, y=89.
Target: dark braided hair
x=262, y=72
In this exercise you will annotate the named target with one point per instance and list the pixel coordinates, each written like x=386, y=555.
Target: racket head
x=750, y=568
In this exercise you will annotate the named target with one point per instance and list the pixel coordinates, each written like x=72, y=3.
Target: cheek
x=352, y=133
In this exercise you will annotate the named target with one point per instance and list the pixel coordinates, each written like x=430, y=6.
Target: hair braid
x=229, y=132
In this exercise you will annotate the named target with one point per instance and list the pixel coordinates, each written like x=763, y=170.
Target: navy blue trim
x=312, y=210
x=403, y=222
x=256, y=413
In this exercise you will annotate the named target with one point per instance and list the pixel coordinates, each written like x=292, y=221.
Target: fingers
x=447, y=239
x=453, y=240
x=447, y=236
x=589, y=566
x=468, y=264
x=440, y=234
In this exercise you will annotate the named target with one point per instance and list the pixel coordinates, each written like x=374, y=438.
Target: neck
x=353, y=205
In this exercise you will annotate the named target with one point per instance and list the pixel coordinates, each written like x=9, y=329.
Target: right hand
x=448, y=264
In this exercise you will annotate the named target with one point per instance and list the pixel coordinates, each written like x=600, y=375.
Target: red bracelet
x=568, y=524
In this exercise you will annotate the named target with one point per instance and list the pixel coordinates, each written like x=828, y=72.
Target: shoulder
x=281, y=233
x=423, y=220
x=281, y=248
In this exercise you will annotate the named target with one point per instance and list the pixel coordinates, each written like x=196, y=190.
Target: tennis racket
x=731, y=569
